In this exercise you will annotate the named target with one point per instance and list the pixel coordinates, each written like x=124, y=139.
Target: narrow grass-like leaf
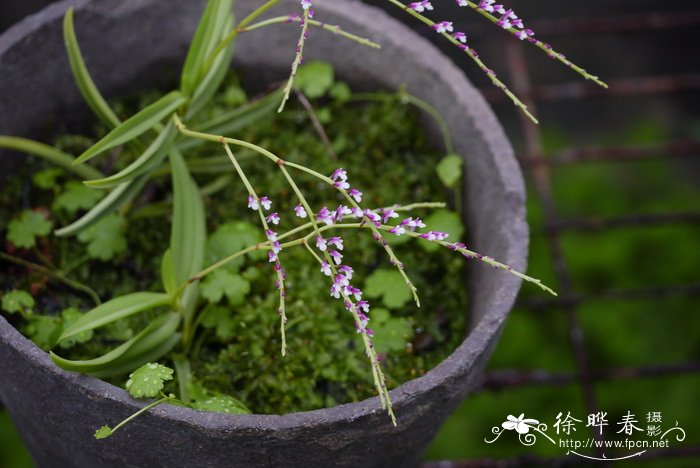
x=153, y=156
x=167, y=273
x=212, y=79
x=116, y=198
x=143, y=121
x=149, y=348
x=116, y=309
x=50, y=154
x=86, y=85
x=215, y=18
x=156, y=339
x=188, y=232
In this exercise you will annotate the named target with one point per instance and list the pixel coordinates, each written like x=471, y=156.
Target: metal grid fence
x=538, y=166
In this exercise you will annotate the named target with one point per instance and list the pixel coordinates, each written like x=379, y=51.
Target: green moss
x=237, y=348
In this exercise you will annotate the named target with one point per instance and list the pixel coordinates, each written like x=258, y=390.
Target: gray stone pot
x=131, y=43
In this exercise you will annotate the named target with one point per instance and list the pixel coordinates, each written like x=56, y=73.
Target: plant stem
x=334, y=28
x=141, y=411
x=57, y=275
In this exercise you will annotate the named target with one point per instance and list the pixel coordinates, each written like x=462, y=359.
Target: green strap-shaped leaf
x=83, y=79
x=50, y=154
x=215, y=18
x=153, y=156
x=136, y=125
x=116, y=309
x=116, y=198
x=167, y=273
x=156, y=339
x=149, y=348
x=188, y=234
x=213, y=77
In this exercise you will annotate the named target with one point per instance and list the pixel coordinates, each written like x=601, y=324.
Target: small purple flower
x=306, y=4
x=412, y=224
x=325, y=216
x=276, y=247
x=337, y=241
x=265, y=202
x=462, y=2
x=443, y=26
x=336, y=256
x=253, y=203
x=339, y=174
x=326, y=268
x=460, y=36
x=356, y=194
x=340, y=212
x=397, y=230
x=273, y=218
x=364, y=320
x=346, y=270
x=353, y=291
x=271, y=235
x=335, y=290
x=487, y=5
x=388, y=214
x=271, y=256
x=342, y=280
x=364, y=306
x=457, y=246
x=300, y=211
x=370, y=333
x=373, y=217
x=342, y=184
x=357, y=212
x=420, y=7
x=435, y=235
x=321, y=243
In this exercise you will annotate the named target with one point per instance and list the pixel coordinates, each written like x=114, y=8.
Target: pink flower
x=339, y=174
x=321, y=243
x=336, y=256
x=253, y=203
x=273, y=218
x=420, y=7
x=397, y=230
x=346, y=270
x=443, y=26
x=460, y=36
x=326, y=268
x=300, y=211
x=265, y=202
x=356, y=194
x=337, y=241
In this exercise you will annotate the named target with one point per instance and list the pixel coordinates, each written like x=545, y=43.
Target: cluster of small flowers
x=341, y=287
x=507, y=20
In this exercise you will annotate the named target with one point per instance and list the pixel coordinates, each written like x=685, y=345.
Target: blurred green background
x=635, y=286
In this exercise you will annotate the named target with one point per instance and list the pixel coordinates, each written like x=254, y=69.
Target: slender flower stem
x=266, y=227
x=257, y=12
x=328, y=27
x=542, y=46
x=472, y=55
x=297, y=57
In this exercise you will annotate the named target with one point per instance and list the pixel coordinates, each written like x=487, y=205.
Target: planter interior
x=56, y=412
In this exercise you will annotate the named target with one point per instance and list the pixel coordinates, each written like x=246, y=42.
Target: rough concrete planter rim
x=480, y=339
